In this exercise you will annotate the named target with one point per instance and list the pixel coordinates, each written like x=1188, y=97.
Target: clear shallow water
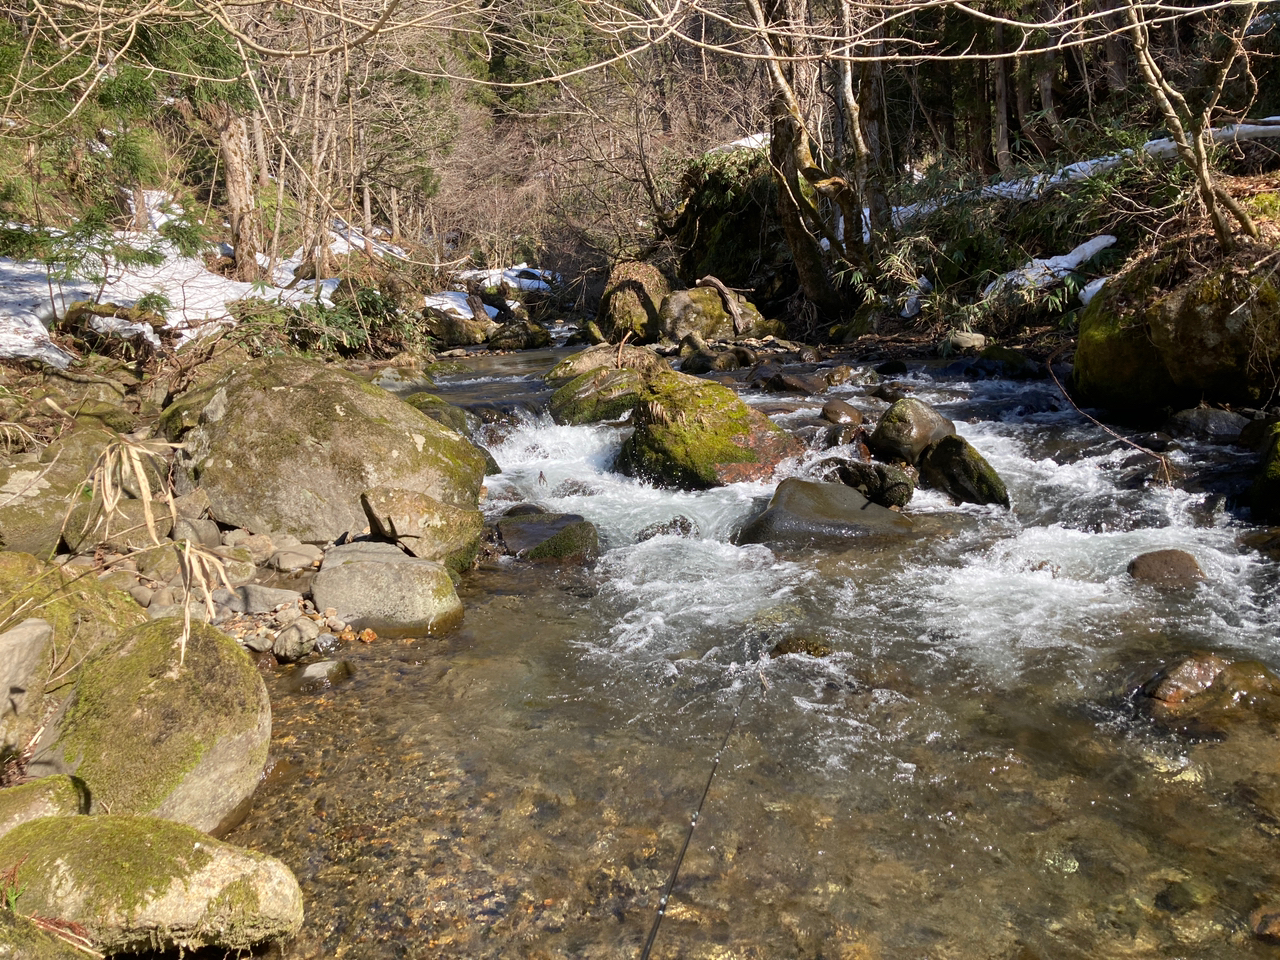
x=961, y=778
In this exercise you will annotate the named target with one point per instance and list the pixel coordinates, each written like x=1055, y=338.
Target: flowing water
x=963, y=777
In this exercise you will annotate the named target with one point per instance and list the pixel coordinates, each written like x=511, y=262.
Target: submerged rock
x=679, y=526
x=953, y=466
x=288, y=445
x=1166, y=567
x=803, y=512
x=378, y=586
x=906, y=429
x=149, y=736
x=694, y=434
x=554, y=537
x=135, y=883
x=1205, y=691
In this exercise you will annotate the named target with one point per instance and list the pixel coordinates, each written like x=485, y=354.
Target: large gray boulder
x=378, y=586
x=804, y=512
x=137, y=883
x=152, y=730
x=425, y=527
x=906, y=428
x=288, y=445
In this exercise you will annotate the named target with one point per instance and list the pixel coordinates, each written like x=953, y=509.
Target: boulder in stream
x=608, y=356
x=1170, y=568
x=520, y=335
x=149, y=735
x=953, y=466
x=378, y=586
x=694, y=434
x=804, y=512
x=549, y=537
x=136, y=883
x=702, y=310
x=605, y=393
x=882, y=483
x=906, y=428
x=629, y=305
x=288, y=445
x=424, y=526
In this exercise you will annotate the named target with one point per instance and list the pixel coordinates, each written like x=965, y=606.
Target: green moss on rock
x=597, y=395
x=23, y=940
x=187, y=742
x=56, y=796
x=630, y=302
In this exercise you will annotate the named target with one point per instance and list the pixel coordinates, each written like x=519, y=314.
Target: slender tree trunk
x=395, y=214
x=1004, y=155
x=243, y=211
x=260, y=147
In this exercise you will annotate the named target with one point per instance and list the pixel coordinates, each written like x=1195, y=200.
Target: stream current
x=964, y=776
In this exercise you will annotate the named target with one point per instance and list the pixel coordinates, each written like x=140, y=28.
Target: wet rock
x=1174, y=685
x=520, y=335
x=288, y=445
x=892, y=392
x=1167, y=567
x=558, y=537
x=597, y=395
x=694, y=434
x=881, y=483
x=1264, y=494
x=296, y=641
x=1207, y=423
x=795, y=383
x=1264, y=921
x=185, y=742
x=802, y=644
x=1208, y=693
x=85, y=616
x=321, y=675
x=709, y=361
x=846, y=435
x=609, y=357
x=906, y=429
x=378, y=586
x=424, y=526
x=803, y=512
x=680, y=526
x=136, y=883
x=839, y=411
x=56, y=796
x=524, y=510
x=891, y=368
x=953, y=466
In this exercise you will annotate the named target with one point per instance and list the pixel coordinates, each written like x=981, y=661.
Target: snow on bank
x=520, y=277
x=1039, y=273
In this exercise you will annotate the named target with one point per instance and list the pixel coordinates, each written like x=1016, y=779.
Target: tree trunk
x=242, y=203
x=1004, y=156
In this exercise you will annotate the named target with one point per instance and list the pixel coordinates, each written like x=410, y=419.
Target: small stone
x=296, y=640
x=302, y=557
x=1265, y=923
x=321, y=675
x=259, y=599
x=162, y=597
x=259, y=641
x=142, y=594
x=367, y=636
x=840, y=411
x=330, y=612
x=327, y=643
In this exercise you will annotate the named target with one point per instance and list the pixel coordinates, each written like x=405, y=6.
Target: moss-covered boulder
x=1170, y=333
x=445, y=413
x=137, y=883
x=882, y=483
x=150, y=735
x=601, y=394
x=955, y=467
x=906, y=428
x=694, y=434
x=520, y=335
x=84, y=615
x=285, y=445
x=1265, y=492
x=56, y=796
x=630, y=303
x=451, y=329
x=702, y=311
x=424, y=526
x=607, y=356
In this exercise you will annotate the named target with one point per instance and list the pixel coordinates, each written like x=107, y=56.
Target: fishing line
x=693, y=820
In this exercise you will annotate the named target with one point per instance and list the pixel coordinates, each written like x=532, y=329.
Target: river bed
x=963, y=777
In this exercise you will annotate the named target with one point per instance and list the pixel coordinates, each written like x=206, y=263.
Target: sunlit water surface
x=964, y=777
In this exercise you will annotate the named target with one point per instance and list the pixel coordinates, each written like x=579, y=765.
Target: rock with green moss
x=288, y=445
x=883, y=483
x=702, y=311
x=137, y=883
x=445, y=413
x=1265, y=492
x=130, y=525
x=56, y=796
x=378, y=586
x=694, y=434
x=424, y=526
x=953, y=466
x=152, y=730
x=906, y=429
x=549, y=537
x=451, y=329
x=629, y=306
x=1168, y=333
x=805, y=512
x=21, y=939
x=520, y=335
x=83, y=616
x=602, y=394
x=607, y=356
